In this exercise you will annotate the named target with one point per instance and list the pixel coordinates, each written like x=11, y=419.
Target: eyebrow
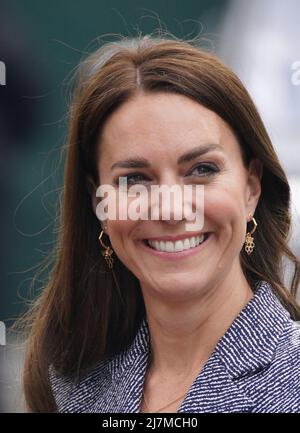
x=186, y=157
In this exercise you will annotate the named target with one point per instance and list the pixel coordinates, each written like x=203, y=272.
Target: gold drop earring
x=249, y=240
x=107, y=253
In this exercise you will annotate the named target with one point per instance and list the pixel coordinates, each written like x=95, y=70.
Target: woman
x=155, y=317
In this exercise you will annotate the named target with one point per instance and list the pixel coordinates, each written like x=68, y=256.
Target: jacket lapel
x=126, y=391
x=213, y=391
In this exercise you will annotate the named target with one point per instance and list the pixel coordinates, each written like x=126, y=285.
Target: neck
x=192, y=328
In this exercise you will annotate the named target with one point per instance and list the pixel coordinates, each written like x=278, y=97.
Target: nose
x=174, y=202
x=167, y=201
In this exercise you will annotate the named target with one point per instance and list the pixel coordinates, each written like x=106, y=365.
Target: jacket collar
x=247, y=346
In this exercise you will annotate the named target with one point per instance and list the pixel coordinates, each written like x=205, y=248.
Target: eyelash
x=212, y=170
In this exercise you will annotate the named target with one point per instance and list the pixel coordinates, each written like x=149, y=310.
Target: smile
x=177, y=248
x=174, y=247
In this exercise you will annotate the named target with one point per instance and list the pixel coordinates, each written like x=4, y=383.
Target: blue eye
x=204, y=170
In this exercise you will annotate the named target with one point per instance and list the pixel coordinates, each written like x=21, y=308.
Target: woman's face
x=159, y=129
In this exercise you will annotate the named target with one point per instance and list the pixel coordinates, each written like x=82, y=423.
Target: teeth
x=174, y=247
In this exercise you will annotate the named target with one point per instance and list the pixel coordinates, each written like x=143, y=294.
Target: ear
x=254, y=176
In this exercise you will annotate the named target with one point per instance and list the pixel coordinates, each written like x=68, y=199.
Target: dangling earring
x=249, y=244
x=107, y=253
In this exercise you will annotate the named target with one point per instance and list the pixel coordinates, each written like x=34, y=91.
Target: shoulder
x=103, y=388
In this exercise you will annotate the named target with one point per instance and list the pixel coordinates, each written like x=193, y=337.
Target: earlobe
x=104, y=228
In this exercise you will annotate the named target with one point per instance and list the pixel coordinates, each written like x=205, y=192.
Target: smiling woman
x=156, y=318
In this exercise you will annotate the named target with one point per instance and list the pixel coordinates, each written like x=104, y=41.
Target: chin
x=179, y=288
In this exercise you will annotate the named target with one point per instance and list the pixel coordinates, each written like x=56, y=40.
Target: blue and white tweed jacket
x=255, y=367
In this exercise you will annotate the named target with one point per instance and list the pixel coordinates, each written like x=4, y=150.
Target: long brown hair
x=86, y=313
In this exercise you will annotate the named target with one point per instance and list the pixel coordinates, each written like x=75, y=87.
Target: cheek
x=225, y=208
x=120, y=237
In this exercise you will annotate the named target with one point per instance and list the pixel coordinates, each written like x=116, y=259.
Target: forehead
x=158, y=123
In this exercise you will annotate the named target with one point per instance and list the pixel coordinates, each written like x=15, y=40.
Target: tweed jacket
x=255, y=367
